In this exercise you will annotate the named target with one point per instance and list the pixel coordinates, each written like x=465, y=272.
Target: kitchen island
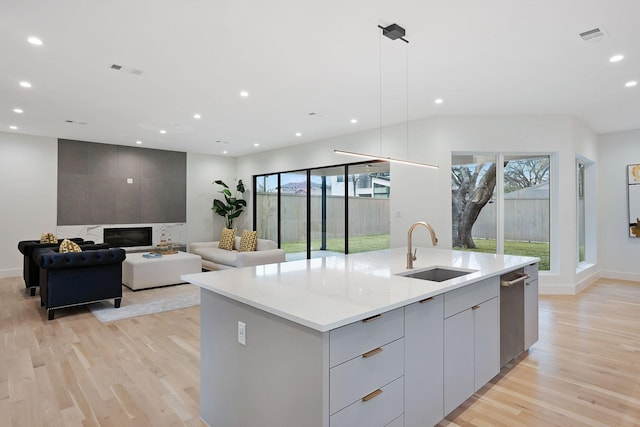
x=348, y=340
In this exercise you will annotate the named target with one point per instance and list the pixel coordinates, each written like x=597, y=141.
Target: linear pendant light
x=385, y=159
x=393, y=32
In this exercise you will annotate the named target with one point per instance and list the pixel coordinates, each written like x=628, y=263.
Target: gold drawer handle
x=426, y=300
x=372, y=352
x=372, y=318
x=371, y=395
x=475, y=307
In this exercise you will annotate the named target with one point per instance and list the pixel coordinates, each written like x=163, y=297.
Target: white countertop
x=326, y=293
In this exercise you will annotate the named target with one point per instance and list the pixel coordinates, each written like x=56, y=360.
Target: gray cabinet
x=423, y=375
x=531, y=306
x=471, y=340
x=366, y=361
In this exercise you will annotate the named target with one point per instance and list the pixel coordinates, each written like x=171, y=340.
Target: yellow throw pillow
x=48, y=238
x=69, y=246
x=227, y=239
x=248, y=241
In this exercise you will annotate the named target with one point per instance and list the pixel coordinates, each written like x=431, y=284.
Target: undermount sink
x=435, y=274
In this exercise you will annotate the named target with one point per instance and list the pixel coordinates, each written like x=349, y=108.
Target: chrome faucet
x=412, y=256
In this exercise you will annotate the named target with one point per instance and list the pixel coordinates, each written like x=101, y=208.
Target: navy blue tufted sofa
x=30, y=270
x=68, y=279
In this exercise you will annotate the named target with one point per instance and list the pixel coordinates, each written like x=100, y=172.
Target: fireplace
x=128, y=236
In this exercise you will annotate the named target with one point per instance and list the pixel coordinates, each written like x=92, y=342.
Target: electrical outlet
x=242, y=333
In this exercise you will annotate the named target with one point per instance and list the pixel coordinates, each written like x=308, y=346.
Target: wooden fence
x=367, y=216
x=524, y=220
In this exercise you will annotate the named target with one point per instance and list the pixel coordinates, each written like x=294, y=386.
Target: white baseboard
x=588, y=281
x=620, y=275
x=11, y=272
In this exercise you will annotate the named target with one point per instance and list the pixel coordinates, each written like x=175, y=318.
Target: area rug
x=147, y=301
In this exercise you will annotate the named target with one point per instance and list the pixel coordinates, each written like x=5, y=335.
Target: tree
x=471, y=189
x=525, y=173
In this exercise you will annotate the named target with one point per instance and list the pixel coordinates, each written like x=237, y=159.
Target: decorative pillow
x=48, y=238
x=227, y=237
x=69, y=246
x=248, y=241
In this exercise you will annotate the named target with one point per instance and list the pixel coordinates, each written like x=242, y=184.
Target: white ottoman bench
x=139, y=272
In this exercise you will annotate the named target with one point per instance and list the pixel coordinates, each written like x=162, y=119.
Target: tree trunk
x=468, y=200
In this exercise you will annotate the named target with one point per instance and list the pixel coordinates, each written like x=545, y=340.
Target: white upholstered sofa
x=214, y=258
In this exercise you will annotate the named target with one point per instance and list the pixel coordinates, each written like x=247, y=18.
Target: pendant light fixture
x=393, y=32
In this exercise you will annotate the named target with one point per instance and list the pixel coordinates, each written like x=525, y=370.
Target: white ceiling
x=297, y=57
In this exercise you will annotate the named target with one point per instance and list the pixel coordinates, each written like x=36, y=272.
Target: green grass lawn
x=514, y=247
x=374, y=243
x=356, y=244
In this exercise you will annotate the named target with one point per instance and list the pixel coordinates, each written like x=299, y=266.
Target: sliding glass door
x=325, y=211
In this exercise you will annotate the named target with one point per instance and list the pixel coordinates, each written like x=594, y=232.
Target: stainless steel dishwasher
x=511, y=315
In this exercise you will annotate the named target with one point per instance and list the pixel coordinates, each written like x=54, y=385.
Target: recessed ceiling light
x=25, y=84
x=354, y=120
x=163, y=131
x=138, y=142
x=616, y=58
x=298, y=134
x=244, y=94
x=18, y=110
x=438, y=101
x=35, y=41
x=13, y=127
x=225, y=152
x=632, y=83
x=256, y=145
x=197, y=116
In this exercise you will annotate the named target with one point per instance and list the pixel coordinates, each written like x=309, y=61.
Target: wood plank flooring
x=77, y=371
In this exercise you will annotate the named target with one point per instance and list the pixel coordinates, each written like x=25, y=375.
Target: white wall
x=432, y=141
x=204, y=224
x=618, y=253
x=29, y=170
x=28, y=177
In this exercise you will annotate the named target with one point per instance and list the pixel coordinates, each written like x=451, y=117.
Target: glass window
x=369, y=192
x=267, y=207
x=306, y=211
x=580, y=167
x=500, y=204
x=473, y=202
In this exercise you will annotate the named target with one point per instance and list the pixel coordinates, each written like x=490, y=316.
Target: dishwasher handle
x=507, y=281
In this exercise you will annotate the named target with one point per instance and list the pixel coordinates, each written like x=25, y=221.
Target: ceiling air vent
x=125, y=69
x=593, y=35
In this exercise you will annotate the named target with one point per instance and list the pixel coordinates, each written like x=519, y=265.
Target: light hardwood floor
x=77, y=371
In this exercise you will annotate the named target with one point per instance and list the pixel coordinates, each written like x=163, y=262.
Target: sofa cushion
x=218, y=256
x=69, y=246
x=227, y=238
x=248, y=241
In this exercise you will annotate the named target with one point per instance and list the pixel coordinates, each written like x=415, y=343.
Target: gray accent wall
x=93, y=187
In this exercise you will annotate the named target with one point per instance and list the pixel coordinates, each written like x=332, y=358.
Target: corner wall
x=618, y=253
x=28, y=171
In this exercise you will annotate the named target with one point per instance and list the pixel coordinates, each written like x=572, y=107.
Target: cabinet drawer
x=531, y=271
x=377, y=412
x=398, y=422
x=463, y=298
x=359, y=376
x=357, y=338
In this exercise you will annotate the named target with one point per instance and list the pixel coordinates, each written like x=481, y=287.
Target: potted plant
x=233, y=204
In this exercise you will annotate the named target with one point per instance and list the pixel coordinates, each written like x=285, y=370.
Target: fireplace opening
x=128, y=236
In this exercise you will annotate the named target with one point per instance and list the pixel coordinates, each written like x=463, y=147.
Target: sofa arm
x=53, y=260
x=270, y=256
x=201, y=245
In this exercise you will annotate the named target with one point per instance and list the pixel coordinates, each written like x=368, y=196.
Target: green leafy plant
x=233, y=204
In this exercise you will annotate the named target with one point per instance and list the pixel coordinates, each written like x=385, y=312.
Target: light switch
x=242, y=333
x=129, y=180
